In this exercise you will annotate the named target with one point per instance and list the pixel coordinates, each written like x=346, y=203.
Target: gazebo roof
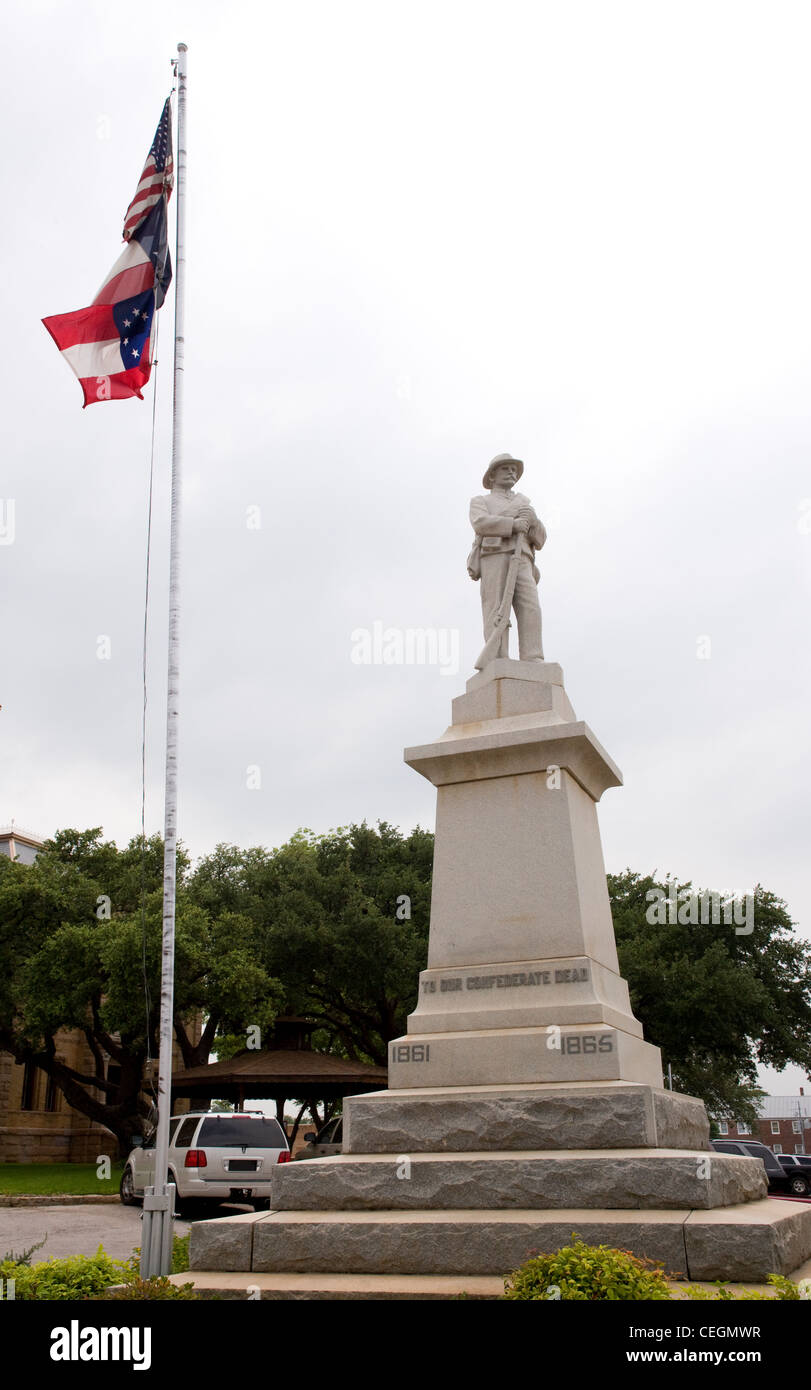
x=280, y=1072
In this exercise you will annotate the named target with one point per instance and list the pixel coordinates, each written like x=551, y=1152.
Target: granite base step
x=220, y=1284
x=627, y=1179
x=608, y=1115
x=746, y=1242
x=330, y=1287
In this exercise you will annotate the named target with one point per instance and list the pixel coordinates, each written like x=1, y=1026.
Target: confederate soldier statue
x=508, y=533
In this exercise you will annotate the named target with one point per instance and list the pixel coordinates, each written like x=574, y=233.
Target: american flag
x=157, y=177
x=109, y=344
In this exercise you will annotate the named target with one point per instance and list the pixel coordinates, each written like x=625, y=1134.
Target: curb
x=68, y=1199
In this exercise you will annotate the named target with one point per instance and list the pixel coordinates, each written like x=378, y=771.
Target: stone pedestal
x=523, y=983
x=524, y=1104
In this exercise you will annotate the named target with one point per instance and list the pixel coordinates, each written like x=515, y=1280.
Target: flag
x=109, y=344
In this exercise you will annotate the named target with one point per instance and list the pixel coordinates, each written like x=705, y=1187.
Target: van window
x=241, y=1131
x=186, y=1132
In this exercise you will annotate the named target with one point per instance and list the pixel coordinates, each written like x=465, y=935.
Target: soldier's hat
x=487, y=480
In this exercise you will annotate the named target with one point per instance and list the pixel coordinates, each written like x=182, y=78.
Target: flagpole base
x=158, y=1221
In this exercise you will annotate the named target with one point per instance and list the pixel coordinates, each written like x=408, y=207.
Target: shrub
x=79, y=1276
x=180, y=1257
x=786, y=1289
x=180, y=1253
x=587, y=1272
x=158, y=1288
x=720, y=1293
x=24, y=1257
x=91, y=1276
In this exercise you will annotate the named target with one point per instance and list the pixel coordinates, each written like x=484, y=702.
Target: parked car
x=779, y=1178
x=213, y=1156
x=327, y=1141
x=794, y=1160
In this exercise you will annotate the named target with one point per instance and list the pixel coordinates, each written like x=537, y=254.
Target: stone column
x=523, y=983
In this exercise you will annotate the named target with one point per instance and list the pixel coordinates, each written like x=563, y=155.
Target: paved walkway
x=74, y=1230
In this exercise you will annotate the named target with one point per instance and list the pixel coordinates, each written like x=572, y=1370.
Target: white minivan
x=213, y=1156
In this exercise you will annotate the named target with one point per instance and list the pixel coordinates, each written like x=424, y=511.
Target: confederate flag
x=109, y=345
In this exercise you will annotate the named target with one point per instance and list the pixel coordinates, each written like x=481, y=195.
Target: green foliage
x=586, y=1273
x=787, y=1291
x=80, y=947
x=91, y=1276
x=718, y=1003
x=180, y=1253
x=24, y=1257
x=180, y=1257
x=142, y=1289
x=324, y=909
x=596, y=1272
x=79, y=1276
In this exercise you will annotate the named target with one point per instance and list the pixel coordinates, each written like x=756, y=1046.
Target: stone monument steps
x=585, y=1115
x=221, y=1284
x=631, y=1179
x=746, y=1242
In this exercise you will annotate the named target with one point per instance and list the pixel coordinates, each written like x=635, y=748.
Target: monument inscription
x=566, y=1044
x=567, y=975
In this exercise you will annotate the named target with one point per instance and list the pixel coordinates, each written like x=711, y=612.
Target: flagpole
x=159, y=1200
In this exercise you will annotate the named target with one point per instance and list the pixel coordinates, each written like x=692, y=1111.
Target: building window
x=796, y=1127
x=28, y=1099
x=51, y=1095
x=743, y=1128
x=798, y=1149
x=723, y=1127
x=775, y=1126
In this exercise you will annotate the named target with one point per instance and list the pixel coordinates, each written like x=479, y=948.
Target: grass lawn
x=43, y=1179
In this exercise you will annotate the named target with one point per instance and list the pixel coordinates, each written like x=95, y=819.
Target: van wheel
x=126, y=1190
x=799, y=1187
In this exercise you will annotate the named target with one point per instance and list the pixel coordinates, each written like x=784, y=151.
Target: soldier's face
x=505, y=474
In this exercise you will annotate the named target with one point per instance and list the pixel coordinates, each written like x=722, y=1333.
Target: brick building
x=36, y=1123
x=784, y=1124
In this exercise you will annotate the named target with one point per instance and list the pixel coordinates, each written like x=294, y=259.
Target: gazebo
x=287, y=1070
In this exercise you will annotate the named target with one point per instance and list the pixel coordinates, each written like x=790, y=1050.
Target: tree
x=718, y=999
x=341, y=919
x=80, y=942
x=335, y=927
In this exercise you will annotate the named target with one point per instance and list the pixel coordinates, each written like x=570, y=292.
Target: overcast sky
x=418, y=235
